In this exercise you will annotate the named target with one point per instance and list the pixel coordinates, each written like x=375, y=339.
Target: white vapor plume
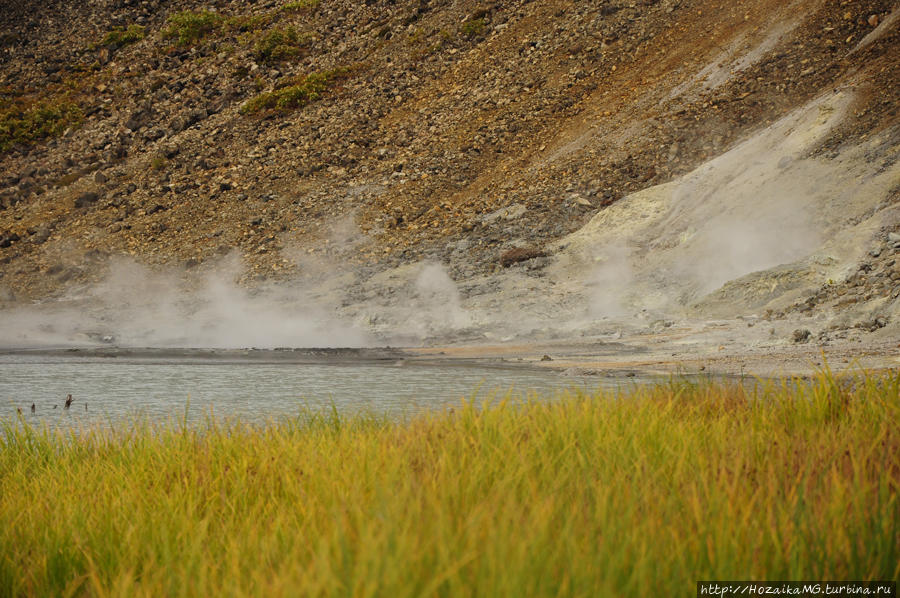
x=135, y=306
x=771, y=226
x=437, y=300
x=609, y=281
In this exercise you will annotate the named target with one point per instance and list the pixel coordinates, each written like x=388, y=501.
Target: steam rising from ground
x=136, y=306
x=744, y=218
x=608, y=281
x=764, y=204
x=139, y=307
x=660, y=252
x=438, y=299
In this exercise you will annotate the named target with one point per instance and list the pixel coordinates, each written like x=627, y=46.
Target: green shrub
x=473, y=28
x=119, y=37
x=27, y=124
x=416, y=37
x=279, y=44
x=295, y=95
x=249, y=22
x=300, y=6
x=190, y=27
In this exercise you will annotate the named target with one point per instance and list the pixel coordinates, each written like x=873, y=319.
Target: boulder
x=87, y=198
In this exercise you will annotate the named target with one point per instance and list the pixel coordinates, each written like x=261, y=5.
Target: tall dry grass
x=641, y=492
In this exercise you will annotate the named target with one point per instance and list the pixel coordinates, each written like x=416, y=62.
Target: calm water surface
x=107, y=390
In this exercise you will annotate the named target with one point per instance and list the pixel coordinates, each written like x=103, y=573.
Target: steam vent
x=327, y=173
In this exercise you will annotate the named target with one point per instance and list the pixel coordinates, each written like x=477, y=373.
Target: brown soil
x=468, y=133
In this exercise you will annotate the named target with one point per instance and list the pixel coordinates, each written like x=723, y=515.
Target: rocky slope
x=344, y=144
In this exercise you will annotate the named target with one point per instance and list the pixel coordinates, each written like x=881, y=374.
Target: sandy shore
x=714, y=348
x=678, y=351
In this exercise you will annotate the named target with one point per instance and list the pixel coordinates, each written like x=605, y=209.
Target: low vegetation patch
x=473, y=28
x=632, y=493
x=120, y=37
x=296, y=93
x=280, y=44
x=189, y=27
x=28, y=122
x=247, y=23
x=300, y=6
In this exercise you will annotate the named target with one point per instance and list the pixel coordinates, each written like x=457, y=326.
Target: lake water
x=109, y=389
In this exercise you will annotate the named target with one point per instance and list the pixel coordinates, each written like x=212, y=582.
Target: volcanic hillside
x=380, y=133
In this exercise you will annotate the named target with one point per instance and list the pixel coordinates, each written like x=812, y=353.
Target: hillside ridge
x=297, y=139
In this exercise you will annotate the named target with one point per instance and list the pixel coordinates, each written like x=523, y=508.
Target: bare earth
x=673, y=186
x=681, y=352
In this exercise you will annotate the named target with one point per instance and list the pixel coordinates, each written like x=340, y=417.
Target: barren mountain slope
x=359, y=137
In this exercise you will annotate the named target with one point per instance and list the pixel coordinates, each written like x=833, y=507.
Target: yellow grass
x=637, y=493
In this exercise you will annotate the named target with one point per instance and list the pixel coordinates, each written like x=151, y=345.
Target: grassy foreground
x=637, y=493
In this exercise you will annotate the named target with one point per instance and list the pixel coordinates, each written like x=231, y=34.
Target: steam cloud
x=609, y=281
x=138, y=307
x=438, y=299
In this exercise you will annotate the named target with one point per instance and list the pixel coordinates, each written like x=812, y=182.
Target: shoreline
x=638, y=354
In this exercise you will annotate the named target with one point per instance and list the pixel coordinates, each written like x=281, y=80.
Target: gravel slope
x=627, y=153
